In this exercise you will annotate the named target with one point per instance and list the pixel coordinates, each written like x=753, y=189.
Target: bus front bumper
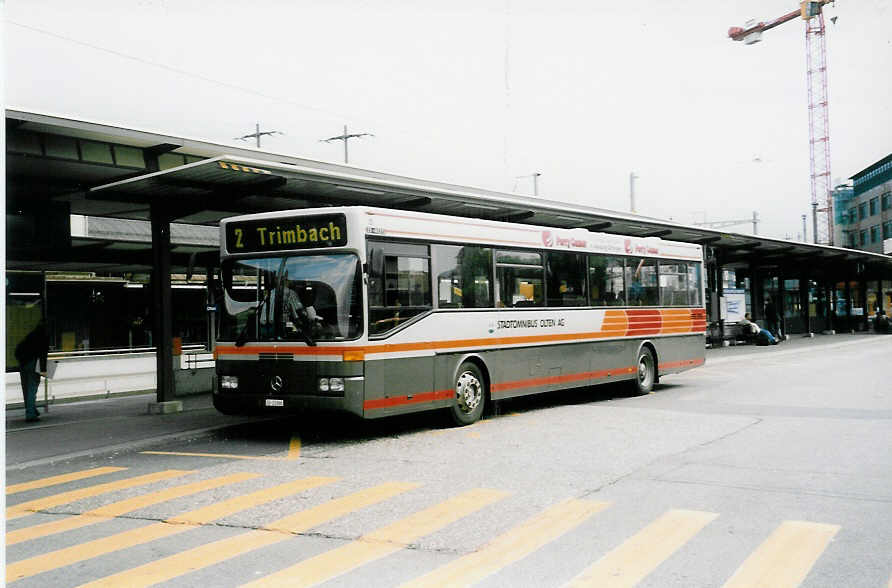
x=250, y=397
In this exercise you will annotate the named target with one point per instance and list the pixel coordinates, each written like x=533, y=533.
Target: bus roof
x=414, y=225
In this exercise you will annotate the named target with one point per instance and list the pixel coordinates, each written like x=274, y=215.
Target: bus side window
x=606, y=280
x=566, y=279
x=641, y=282
x=673, y=283
x=402, y=290
x=376, y=276
x=694, y=284
x=464, y=276
x=519, y=279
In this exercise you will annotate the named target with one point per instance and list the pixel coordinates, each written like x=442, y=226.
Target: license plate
x=275, y=402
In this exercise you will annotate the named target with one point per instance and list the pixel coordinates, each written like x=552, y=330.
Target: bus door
x=399, y=293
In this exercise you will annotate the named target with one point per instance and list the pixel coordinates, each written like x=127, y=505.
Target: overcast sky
x=481, y=93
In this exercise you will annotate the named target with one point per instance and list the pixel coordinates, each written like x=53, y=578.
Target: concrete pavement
x=116, y=424
x=110, y=425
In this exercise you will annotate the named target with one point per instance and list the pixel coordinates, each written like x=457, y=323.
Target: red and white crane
x=818, y=120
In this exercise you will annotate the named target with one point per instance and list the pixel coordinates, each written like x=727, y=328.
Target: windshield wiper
x=243, y=336
x=303, y=326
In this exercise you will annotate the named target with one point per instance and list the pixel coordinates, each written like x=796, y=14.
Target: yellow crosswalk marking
x=512, y=546
x=632, y=561
x=313, y=517
x=63, y=557
x=26, y=508
x=206, y=555
x=784, y=559
x=119, y=508
x=205, y=515
x=382, y=542
x=61, y=479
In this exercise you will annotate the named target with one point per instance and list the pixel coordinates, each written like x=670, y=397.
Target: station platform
x=104, y=426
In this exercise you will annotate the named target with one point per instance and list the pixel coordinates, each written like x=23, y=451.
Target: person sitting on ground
x=760, y=336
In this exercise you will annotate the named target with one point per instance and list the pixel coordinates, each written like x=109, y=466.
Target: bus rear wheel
x=470, y=395
x=646, y=373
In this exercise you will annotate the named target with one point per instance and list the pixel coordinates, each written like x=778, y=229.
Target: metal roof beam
x=160, y=149
x=707, y=240
x=415, y=202
x=514, y=217
x=91, y=255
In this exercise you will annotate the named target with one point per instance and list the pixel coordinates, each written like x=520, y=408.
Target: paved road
x=769, y=467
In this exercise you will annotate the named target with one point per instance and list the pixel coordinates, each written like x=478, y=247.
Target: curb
x=128, y=446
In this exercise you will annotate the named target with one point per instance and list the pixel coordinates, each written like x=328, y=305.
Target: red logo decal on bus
x=547, y=238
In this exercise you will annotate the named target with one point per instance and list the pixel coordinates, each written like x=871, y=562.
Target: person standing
x=772, y=319
x=31, y=354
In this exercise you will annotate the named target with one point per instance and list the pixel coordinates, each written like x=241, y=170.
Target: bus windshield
x=304, y=298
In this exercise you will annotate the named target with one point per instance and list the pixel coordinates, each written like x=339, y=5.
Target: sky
x=484, y=93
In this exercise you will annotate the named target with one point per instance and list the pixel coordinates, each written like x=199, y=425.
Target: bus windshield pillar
x=162, y=305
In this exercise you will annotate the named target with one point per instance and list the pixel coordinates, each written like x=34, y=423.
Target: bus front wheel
x=228, y=406
x=646, y=373
x=470, y=395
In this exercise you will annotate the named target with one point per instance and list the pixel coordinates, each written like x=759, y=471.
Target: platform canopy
x=206, y=191
x=108, y=175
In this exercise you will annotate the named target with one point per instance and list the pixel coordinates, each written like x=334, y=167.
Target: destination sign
x=296, y=232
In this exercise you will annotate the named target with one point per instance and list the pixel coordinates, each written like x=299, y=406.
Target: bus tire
x=646, y=375
x=470, y=394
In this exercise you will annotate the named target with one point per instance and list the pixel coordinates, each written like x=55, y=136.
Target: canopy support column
x=162, y=311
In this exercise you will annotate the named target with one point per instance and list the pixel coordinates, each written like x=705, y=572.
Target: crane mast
x=818, y=112
x=819, y=130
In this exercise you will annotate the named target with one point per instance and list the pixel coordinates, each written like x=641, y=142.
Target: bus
x=379, y=312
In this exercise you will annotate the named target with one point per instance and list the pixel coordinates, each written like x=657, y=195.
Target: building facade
x=869, y=213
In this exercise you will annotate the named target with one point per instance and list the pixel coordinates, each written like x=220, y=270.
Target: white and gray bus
x=381, y=312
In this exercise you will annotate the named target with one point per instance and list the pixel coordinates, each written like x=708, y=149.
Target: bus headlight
x=331, y=384
x=229, y=382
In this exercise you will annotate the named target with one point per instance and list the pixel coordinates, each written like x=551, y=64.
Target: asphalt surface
x=118, y=424
x=767, y=463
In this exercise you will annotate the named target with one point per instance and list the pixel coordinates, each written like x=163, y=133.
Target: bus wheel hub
x=468, y=391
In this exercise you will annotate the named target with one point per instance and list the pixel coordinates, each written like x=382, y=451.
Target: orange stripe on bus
x=644, y=322
x=529, y=383
x=682, y=363
x=616, y=323
x=378, y=403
